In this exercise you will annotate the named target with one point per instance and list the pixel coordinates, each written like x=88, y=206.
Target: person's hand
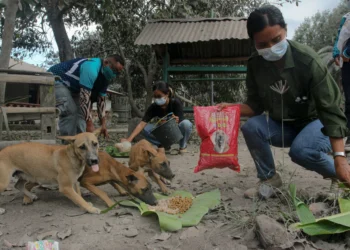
x=90, y=126
x=223, y=105
x=342, y=170
x=125, y=139
x=337, y=61
x=345, y=59
x=176, y=118
x=104, y=132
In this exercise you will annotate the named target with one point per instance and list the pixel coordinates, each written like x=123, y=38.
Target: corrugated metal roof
x=172, y=31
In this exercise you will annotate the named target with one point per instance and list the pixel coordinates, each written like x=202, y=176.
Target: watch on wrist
x=342, y=154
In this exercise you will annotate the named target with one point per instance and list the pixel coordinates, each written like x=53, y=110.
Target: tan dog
x=145, y=158
x=117, y=174
x=50, y=164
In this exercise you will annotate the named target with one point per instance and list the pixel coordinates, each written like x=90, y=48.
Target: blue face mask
x=108, y=73
x=160, y=101
x=276, y=52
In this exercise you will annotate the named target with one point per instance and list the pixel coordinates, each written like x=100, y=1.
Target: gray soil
x=231, y=226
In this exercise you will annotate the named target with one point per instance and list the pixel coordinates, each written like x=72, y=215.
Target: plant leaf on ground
x=168, y=222
x=334, y=224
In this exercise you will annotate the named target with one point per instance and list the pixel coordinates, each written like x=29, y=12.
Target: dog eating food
x=145, y=158
x=173, y=205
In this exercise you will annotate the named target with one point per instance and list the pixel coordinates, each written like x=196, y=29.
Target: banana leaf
x=334, y=224
x=168, y=222
x=303, y=212
x=115, y=153
x=344, y=205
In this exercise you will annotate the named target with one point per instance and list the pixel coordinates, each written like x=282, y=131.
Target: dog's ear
x=97, y=132
x=69, y=139
x=150, y=150
x=132, y=179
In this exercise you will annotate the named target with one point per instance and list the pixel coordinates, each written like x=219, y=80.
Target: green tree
x=321, y=29
x=34, y=18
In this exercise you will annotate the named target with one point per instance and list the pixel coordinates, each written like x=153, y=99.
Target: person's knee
x=147, y=130
x=301, y=155
x=252, y=127
x=186, y=124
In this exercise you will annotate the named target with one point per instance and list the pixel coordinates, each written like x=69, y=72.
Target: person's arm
x=146, y=118
x=178, y=110
x=88, y=75
x=136, y=131
x=101, y=111
x=253, y=105
x=85, y=105
x=336, y=52
x=327, y=98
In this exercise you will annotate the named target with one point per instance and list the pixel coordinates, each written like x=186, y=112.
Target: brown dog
x=36, y=163
x=117, y=174
x=145, y=158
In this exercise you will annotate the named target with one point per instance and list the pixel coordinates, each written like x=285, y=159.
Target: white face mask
x=276, y=52
x=160, y=101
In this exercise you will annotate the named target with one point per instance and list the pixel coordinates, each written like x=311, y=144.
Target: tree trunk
x=148, y=78
x=7, y=36
x=6, y=47
x=134, y=108
x=152, y=70
x=55, y=17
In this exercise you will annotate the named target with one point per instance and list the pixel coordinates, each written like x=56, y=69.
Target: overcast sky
x=294, y=16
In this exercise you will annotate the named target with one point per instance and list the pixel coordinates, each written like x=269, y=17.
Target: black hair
x=118, y=58
x=163, y=87
x=267, y=15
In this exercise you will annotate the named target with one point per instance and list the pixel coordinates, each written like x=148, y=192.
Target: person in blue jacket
x=79, y=83
x=341, y=55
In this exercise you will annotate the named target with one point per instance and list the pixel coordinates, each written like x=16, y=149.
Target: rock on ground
x=270, y=233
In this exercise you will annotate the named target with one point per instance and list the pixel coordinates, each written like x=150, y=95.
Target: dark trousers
x=345, y=71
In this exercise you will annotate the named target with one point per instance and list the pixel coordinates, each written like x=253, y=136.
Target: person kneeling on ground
x=164, y=103
x=314, y=124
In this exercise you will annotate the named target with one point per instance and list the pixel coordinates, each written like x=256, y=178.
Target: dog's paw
x=124, y=193
x=27, y=200
x=165, y=191
x=34, y=197
x=94, y=210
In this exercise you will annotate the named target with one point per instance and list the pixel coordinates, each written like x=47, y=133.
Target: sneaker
x=164, y=150
x=183, y=151
x=275, y=181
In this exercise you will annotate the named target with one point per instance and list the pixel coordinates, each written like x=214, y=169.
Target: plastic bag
x=219, y=134
x=43, y=245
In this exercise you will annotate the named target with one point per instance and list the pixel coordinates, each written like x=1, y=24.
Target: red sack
x=219, y=133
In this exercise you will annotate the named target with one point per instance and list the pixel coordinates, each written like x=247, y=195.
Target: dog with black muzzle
x=145, y=158
x=36, y=163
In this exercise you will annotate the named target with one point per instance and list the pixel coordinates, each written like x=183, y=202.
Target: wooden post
x=48, y=121
x=166, y=65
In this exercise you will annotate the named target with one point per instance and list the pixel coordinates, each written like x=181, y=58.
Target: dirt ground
x=229, y=227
